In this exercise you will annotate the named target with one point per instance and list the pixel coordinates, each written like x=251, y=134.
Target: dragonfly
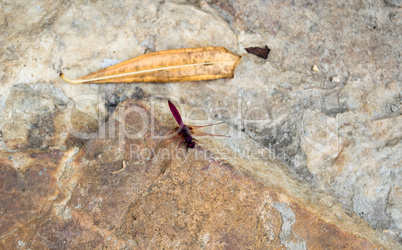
x=186, y=131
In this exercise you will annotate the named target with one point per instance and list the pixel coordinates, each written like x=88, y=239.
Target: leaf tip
x=62, y=76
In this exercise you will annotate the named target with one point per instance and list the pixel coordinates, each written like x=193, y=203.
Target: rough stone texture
x=396, y=3
x=165, y=199
x=26, y=187
x=341, y=137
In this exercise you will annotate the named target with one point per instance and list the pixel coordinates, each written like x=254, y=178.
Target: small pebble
x=314, y=68
x=336, y=79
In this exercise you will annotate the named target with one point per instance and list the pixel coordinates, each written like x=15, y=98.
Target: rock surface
x=341, y=138
x=164, y=197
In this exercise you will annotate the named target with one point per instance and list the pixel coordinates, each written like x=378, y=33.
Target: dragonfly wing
x=176, y=115
x=199, y=133
x=197, y=127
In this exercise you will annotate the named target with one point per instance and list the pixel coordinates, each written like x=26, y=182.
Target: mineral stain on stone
x=40, y=134
x=260, y=52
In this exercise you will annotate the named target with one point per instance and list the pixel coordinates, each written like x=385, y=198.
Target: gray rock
x=396, y=3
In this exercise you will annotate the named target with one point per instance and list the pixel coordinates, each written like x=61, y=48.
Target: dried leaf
x=168, y=66
x=261, y=52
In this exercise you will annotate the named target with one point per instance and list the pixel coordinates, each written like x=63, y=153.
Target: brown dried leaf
x=168, y=66
x=261, y=52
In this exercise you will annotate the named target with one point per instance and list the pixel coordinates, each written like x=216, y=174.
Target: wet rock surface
x=337, y=129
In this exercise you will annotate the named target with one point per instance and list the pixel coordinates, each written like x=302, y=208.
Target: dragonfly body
x=186, y=134
x=184, y=130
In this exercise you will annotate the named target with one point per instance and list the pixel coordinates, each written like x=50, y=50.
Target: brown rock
x=27, y=180
x=165, y=197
